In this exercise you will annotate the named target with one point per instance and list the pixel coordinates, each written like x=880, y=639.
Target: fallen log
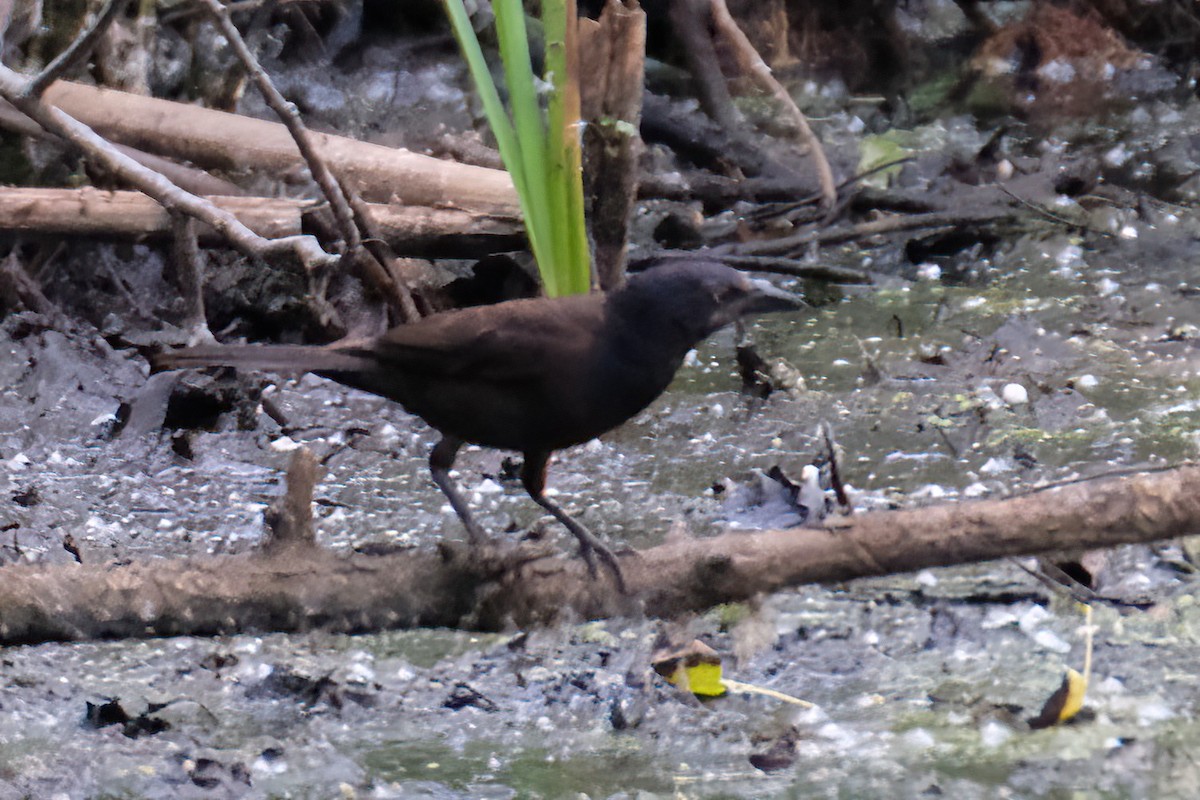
x=296, y=585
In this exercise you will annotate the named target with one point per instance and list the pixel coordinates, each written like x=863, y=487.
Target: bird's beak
x=764, y=298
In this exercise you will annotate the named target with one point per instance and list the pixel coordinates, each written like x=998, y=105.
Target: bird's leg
x=533, y=476
x=440, y=462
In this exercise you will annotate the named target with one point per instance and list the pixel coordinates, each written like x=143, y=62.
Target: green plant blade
x=531, y=132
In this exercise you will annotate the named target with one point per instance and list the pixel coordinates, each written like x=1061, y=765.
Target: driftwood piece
x=411, y=230
x=613, y=55
x=230, y=141
x=300, y=586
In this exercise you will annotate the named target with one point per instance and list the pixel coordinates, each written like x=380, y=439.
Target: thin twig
x=789, y=266
x=752, y=62
x=787, y=210
x=788, y=244
x=1047, y=213
x=18, y=287
x=389, y=278
x=77, y=51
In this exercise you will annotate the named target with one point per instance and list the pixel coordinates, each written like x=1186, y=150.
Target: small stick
x=189, y=268
x=290, y=517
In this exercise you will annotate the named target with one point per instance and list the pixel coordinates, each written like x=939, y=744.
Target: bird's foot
x=590, y=547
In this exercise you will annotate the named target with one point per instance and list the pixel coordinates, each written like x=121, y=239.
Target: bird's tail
x=269, y=357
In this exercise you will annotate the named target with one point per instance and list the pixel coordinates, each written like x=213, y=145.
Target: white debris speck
x=1031, y=617
x=360, y=673
x=1153, y=710
x=18, y=462
x=926, y=578
x=1088, y=381
x=1107, y=286
x=691, y=359
x=1058, y=70
x=1128, y=232
x=1051, y=641
x=994, y=734
x=284, y=444
x=1014, y=394
x=389, y=434
x=1116, y=156
x=998, y=618
x=919, y=738
x=489, y=486
x=929, y=272
x=1069, y=256
x=103, y=419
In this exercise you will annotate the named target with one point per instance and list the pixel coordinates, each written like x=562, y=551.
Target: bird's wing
x=508, y=341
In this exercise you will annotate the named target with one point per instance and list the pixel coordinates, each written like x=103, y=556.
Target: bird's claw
x=589, y=550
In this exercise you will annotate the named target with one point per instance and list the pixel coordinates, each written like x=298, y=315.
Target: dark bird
x=533, y=375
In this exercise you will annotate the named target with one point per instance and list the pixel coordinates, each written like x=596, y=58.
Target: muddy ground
x=923, y=683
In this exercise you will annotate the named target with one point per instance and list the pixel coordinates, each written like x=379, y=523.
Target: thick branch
x=303, y=586
x=231, y=141
x=412, y=230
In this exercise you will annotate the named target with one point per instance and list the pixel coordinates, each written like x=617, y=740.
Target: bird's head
x=696, y=298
